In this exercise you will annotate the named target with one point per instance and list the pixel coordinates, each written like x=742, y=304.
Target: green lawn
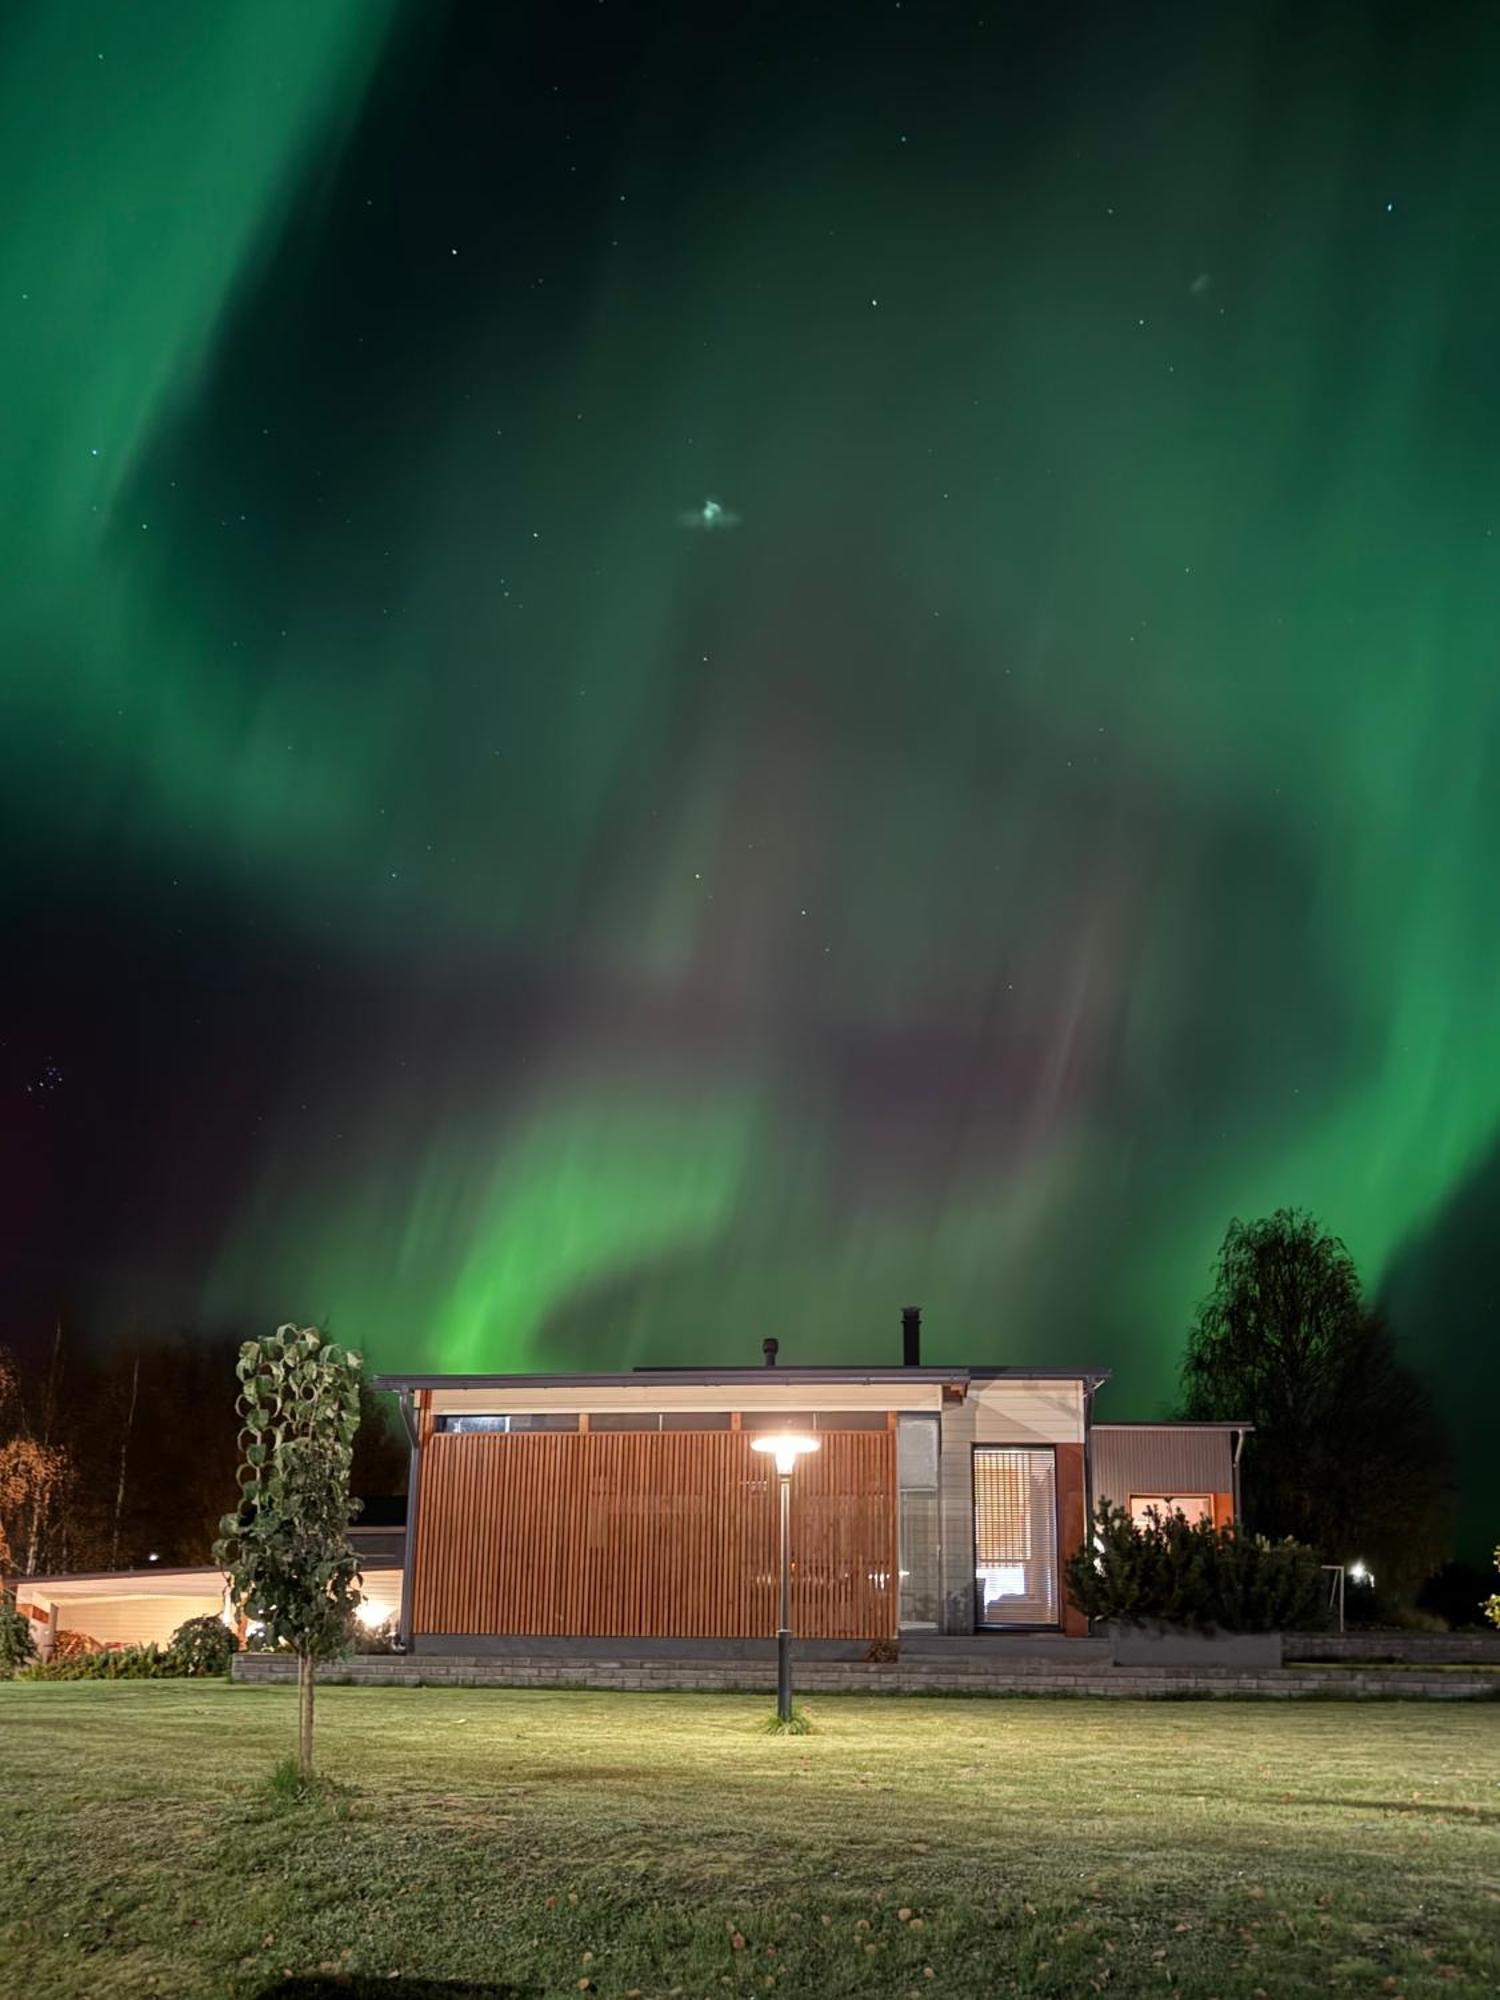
x=530, y=1842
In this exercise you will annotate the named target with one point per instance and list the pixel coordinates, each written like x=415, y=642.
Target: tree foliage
x=1191, y=1573
x=287, y=1551
x=1492, y=1604
x=32, y=1473
x=1348, y=1453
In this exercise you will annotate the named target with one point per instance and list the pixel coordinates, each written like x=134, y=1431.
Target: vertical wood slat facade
x=651, y=1534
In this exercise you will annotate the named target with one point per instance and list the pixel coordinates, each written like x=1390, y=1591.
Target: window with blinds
x=1015, y=1536
x=659, y=1420
x=1146, y=1509
x=507, y=1421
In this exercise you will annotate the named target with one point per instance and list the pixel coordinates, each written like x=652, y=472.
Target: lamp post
x=786, y=1448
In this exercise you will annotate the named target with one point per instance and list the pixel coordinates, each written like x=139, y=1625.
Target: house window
x=1015, y=1536
x=546, y=1420
x=919, y=1546
x=1196, y=1506
x=813, y=1420
x=659, y=1420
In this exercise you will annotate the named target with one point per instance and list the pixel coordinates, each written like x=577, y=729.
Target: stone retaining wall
x=1426, y=1649
x=959, y=1676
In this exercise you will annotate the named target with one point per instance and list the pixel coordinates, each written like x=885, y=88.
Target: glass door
x=1015, y=1536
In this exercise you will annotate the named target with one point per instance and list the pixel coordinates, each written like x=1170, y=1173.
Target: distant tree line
x=110, y=1458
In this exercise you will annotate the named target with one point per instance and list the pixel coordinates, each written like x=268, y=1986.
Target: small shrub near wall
x=17, y=1647
x=1173, y=1571
x=71, y=1645
x=203, y=1646
x=381, y=1638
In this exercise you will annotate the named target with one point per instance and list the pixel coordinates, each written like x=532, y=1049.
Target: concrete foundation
x=1177, y=1646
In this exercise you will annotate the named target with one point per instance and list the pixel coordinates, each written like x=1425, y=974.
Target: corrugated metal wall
x=1131, y=1460
x=651, y=1534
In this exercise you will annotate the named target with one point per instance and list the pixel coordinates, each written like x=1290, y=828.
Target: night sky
x=677, y=672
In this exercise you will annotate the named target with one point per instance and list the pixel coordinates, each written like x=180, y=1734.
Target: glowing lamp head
x=1359, y=1573
x=786, y=1447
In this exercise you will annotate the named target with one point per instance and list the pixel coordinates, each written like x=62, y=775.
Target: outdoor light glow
x=372, y=1612
x=1359, y=1573
x=786, y=1448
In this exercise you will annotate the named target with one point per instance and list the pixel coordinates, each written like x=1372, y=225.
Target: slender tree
x=287, y=1550
x=126, y=1429
x=1347, y=1452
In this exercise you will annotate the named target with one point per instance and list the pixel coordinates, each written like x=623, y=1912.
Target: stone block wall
x=1414, y=1648
x=964, y=1675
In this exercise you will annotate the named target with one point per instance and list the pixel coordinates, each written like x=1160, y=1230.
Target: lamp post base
x=783, y=1675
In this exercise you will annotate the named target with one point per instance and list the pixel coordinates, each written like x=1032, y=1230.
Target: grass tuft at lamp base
x=798, y=1723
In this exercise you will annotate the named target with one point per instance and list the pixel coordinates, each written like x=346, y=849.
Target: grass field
x=551, y=1842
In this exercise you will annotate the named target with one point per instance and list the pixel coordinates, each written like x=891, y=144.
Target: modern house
x=941, y=1500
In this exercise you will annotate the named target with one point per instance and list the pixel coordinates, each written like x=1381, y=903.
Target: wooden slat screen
x=651, y=1534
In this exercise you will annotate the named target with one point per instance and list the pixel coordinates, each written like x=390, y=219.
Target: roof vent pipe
x=770, y=1349
x=911, y=1336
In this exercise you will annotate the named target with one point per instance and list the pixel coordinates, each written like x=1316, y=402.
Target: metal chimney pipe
x=770, y=1349
x=911, y=1336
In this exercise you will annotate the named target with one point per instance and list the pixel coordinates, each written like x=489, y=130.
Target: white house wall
x=1019, y=1412
x=137, y=1620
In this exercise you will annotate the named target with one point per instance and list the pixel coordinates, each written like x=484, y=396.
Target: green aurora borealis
x=466, y=903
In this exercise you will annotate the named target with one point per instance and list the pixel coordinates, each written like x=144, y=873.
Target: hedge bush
x=131, y=1663
x=204, y=1646
x=17, y=1647
x=200, y=1646
x=1190, y=1573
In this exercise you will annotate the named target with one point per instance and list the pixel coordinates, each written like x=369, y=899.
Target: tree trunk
x=135, y=1383
x=41, y=1508
x=306, y=1672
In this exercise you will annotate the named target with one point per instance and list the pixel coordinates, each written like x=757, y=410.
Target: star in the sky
x=710, y=516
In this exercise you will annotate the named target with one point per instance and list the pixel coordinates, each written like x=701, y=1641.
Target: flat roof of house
x=166, y=1581
x=1174, y=1424
x=792, y=1372
x=201, y=1580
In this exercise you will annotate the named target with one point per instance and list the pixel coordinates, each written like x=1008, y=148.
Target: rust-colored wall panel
x=1223, y=1506
x=1072, y=1528
x=651, y=1534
